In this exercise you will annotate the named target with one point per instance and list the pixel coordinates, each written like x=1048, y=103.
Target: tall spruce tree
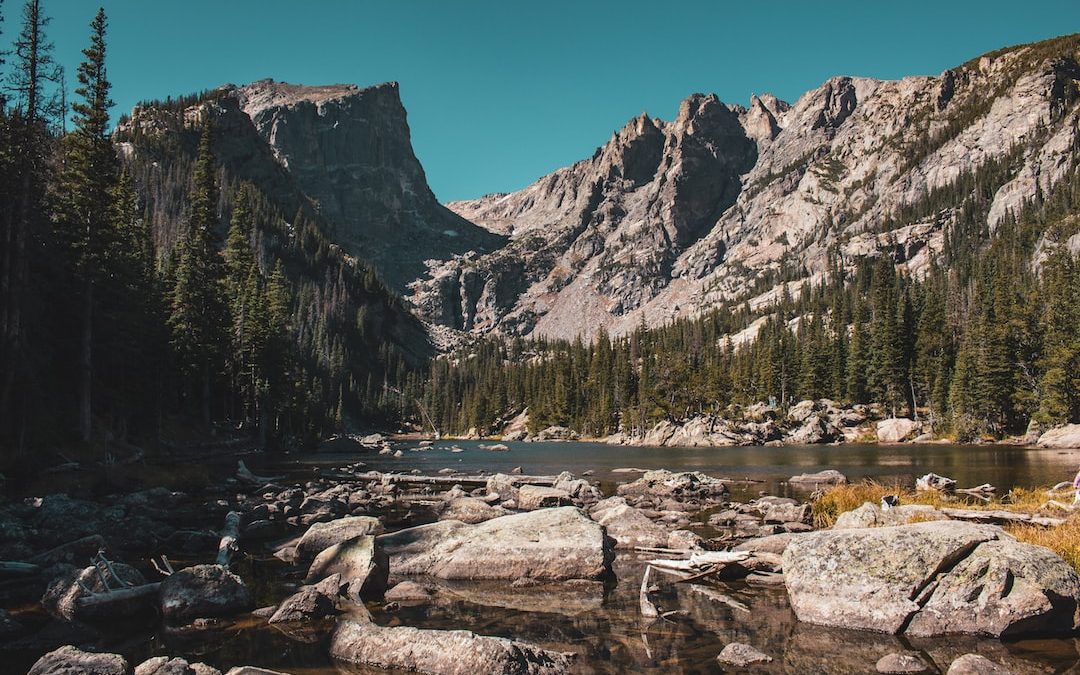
x=199, y=318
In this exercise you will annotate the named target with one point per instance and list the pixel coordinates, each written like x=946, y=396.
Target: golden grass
x=1063, y=539
x=841, y=498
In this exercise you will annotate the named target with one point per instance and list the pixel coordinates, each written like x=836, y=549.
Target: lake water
x=1003, y=466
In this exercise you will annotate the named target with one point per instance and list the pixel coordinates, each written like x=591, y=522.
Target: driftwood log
x=230, y=539
x=648, y=609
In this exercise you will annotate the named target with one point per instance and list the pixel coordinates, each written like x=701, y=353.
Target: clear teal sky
x=502, y=92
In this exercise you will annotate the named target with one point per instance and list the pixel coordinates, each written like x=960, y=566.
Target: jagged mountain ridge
x=669, y=219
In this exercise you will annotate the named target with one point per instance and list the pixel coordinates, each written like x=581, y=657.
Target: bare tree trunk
x=206, y=393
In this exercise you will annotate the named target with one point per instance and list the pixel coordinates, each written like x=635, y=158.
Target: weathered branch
x=230, y=538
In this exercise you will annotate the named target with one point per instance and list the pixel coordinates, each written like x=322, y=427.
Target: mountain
x=344, y=154
x=670, y=219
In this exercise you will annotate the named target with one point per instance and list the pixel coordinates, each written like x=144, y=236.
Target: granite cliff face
x=669, y=219
x=345, y=154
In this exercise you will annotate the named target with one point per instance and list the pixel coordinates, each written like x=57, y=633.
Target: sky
x=499, y=93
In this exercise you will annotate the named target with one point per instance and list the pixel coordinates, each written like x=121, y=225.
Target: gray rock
x=871, y=515
x=361, y=562
x=897, y=429
x=408, y=592
x=321, y=536
x=470, y=510
x=502, y=485
x=974, y=664
x=857, y=578
x=787, y=513
x=1003, y=589
x=741, y=655
x=629, y=526
x=826, y=477
x=164, y=665
x=532, y=497
x=449, y=652
x=1061, y=438
x=68, y=660
x=549, y=544
x=315, y=601
x=252, y=670
x=663, y=484
x=202, y=591
x=898, y=664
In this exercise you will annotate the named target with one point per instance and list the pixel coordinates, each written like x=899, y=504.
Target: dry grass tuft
x=1063, y=539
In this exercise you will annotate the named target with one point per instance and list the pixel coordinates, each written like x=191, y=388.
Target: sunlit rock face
x=669, y=219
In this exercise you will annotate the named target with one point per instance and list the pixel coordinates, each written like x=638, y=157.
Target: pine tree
x=89, y=174
x=199, y=315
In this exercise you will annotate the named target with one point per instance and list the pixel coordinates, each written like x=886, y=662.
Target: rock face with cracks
x=361, y=562
x=68, y=660
x=928, y=579
x=202, y=591
x=548, y=544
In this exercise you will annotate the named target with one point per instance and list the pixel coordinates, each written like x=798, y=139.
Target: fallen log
x=116, y=602
x=387, y=478
x=1000, y=517
x=18, y=569
x=230, y=538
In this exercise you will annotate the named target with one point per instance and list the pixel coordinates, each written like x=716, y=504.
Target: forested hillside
x=140, y=296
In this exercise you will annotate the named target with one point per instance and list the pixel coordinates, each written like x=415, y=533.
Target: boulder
x=897, y=429
x=68, y=660
x=321, y=536
x=741, y=655
x=532, y=497
x=787, y=513
x=252, y=670
x=202, y=591
x=812, y=480
x=556, y=433
x=470, y=510
x=685, y=540
x=361, y=562
x=164, y=665
x=628, y=526
x=867, y=578
x=932, y=481
x=502, y=485
x=62, y=595
x=974, y=664
x=899, y=664
x=801, y=411
x=1062, y=438
x=1003, y=588
x=930, y=578
x=663, y=484
x=774, y=543
x=450, y=652
x=871, y=515
x=315, y=601
x=812, y=432
x=548, y=544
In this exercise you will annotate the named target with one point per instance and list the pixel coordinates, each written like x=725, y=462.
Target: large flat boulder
x=628, y=526
x=1062, y=438
x=871, y=515
x=322, y=536
x=532, y=497
x=869, y=578
x=931, y=578
x=548, y=544
x=470, y=510
x=1003, y=589
x=442, y=652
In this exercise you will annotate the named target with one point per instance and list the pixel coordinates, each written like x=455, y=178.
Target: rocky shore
x=411, y=572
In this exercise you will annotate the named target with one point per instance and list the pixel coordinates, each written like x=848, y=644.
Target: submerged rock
x=899, y=664
x=741, y=655
x=974, y=664
x=439, y=652
x=202, y=591
x=550, y=544
x=408, y=592
x=68, y=660
x=929, y=579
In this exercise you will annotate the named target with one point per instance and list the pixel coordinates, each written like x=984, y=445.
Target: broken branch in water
x=230, y=536
x=648, y=609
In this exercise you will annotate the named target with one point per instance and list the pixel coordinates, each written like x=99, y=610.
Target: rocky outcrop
x=1064, y=437
x=896, y=430
x=361, y=562
x=930, y=578
x=548, y=544
x=628, y=526
x=442, y=652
